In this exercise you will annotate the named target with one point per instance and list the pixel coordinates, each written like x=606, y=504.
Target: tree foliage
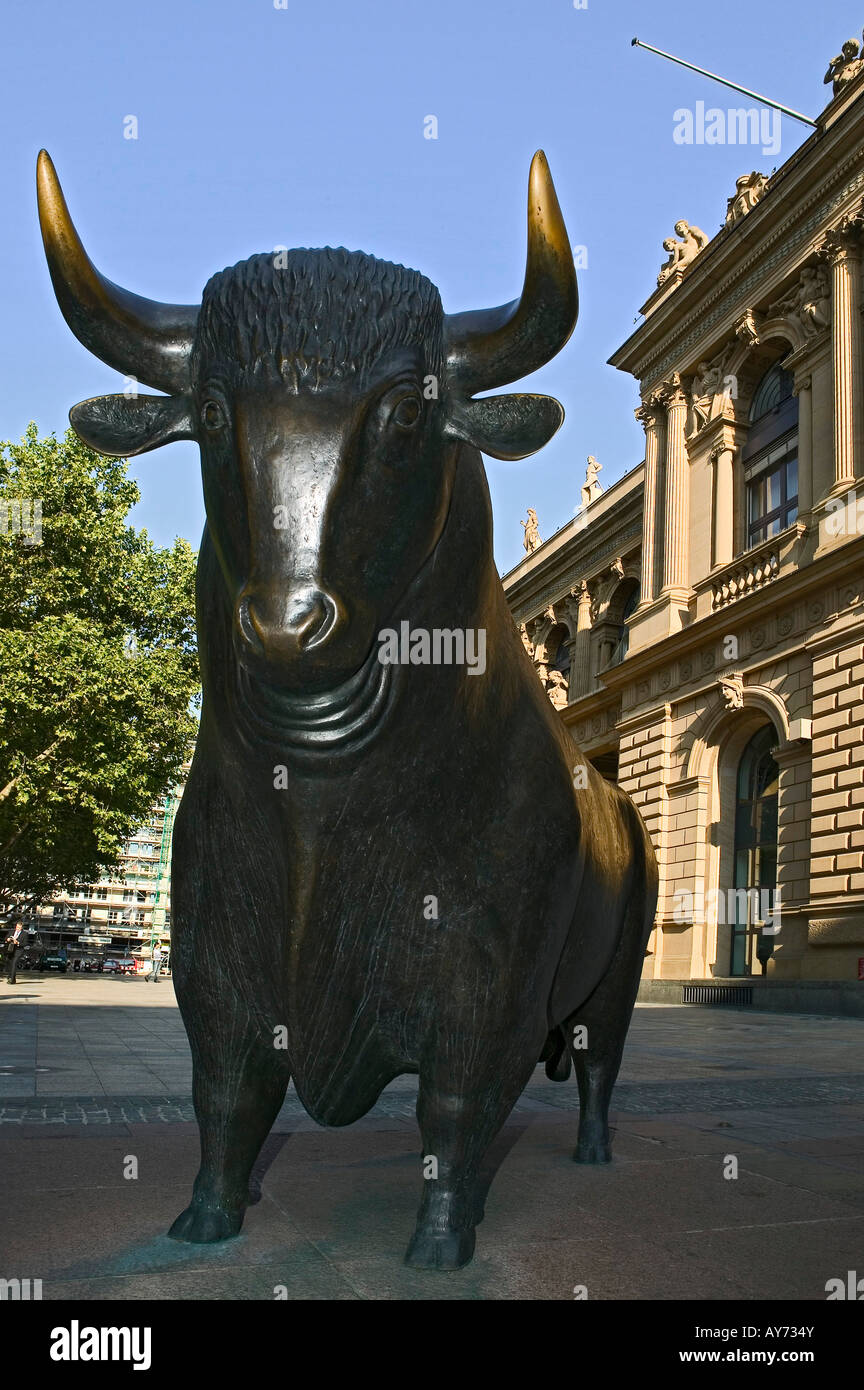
x=98, y=666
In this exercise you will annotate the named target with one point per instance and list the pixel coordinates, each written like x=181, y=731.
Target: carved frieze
x=809, y=304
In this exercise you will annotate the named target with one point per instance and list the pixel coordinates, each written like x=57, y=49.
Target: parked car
x=55, y=960
x=124, y=966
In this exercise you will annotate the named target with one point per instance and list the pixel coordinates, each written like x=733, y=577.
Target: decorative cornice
x=612, y=544
x=746, y=280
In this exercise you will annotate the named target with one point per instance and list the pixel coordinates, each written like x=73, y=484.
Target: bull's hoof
x=435, y=1251
x=592, y=1151
x=204, y=1225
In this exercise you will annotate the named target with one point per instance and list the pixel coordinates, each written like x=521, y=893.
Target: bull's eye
x=212, y=415
x=403, y=410
x=407, y=413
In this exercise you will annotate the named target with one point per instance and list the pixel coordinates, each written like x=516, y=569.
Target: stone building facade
x=700, y=624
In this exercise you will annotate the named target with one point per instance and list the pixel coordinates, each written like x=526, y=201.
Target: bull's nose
x=288, y=624
x=310, y=616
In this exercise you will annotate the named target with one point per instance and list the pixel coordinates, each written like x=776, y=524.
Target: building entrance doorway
x=755, y=848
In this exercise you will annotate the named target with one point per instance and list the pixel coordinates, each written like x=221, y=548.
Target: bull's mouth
x=342, y=717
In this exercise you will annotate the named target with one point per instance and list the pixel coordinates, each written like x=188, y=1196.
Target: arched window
x=631, y=603
x=558, y=649
x=755, y=852
x=770, y=457
x=773, y=390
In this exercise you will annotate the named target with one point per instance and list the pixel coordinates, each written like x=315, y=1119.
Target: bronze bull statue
x=354, y=886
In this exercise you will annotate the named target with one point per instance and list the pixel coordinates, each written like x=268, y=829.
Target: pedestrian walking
x=157, y=964
x=14, y=945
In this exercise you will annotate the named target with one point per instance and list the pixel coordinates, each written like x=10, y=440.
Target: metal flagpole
x=766, y=101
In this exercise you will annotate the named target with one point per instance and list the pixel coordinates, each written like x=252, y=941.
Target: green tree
x=98, y=665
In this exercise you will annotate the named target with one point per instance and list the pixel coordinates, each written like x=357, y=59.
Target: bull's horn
x=491, y=347
x=138, y=337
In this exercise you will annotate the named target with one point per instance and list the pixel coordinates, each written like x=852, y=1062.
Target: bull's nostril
x=283, y=626
x=311, y=616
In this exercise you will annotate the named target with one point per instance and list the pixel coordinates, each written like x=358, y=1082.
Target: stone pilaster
x=723, y=459
x=650, y=416
x=842, y=248
x=677, y=480
x=804, y=392
x=580, y=662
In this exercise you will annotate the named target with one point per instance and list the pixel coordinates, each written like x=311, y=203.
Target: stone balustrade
x=750, y=572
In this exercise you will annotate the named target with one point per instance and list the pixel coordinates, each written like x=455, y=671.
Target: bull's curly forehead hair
x=313, y=316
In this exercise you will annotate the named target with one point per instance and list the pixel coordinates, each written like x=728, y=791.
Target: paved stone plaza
x=93, y=1070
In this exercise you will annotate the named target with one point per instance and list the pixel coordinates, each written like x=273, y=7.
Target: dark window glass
x=772, y=501
x=774, y=388
x=623, y=644
x=755, y=847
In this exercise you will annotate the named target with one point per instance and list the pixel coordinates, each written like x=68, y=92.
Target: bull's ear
x=506, y=427
x=122, y=426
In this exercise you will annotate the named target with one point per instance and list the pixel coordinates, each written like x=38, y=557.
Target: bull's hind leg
x=238, y=1088
x=597, y=1032
x=460, y=1110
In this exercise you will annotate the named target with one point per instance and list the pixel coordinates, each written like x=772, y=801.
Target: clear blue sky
x=303, y=126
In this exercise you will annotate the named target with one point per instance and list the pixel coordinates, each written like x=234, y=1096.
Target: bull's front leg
x=460, y=1110
x=238, y=1088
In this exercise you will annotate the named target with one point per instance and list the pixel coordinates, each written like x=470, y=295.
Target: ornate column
x=723, y=458
x=842, y=247
x=580, y=661
x=650, y=417
x=677, y=481
x=805, y=444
